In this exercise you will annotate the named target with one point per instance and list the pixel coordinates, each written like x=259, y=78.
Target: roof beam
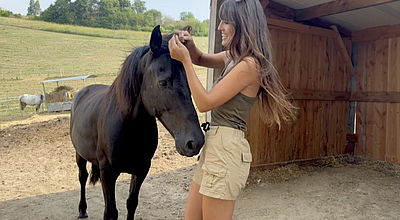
x=335, y=7
x=280, y=10
x=376, y=33
x=325, y=24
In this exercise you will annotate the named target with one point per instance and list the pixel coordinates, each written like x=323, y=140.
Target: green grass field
x=33, y=51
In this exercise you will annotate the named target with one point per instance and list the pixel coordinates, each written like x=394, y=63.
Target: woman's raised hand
x=177, y=50
x=185, y=38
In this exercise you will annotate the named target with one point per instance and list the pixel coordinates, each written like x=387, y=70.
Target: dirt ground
x=38, y=180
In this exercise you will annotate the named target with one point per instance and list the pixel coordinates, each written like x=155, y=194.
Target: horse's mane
x=126, y=87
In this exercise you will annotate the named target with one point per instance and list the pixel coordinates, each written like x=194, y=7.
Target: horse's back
x=31, y=99
x=88, y=93
x=85, y=110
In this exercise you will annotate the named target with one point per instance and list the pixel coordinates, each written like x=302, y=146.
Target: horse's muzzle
x=191, y=147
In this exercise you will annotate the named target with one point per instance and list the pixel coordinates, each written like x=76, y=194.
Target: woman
x=247, y=76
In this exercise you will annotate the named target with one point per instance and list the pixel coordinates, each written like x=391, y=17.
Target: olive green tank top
x=234, y=112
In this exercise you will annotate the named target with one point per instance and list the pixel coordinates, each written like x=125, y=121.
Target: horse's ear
x=156, y=40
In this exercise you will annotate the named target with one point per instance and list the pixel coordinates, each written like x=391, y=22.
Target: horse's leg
x=37, y=108
x=108, y=177
x=23, y=105
x=136, y=183
x=83, y=175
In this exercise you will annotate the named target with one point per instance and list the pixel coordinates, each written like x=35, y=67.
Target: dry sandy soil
x=38, y=180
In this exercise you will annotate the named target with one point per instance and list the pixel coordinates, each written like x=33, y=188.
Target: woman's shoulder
x=250, y=64
x=251, y=61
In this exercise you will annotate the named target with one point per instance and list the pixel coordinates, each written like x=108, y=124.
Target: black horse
x=114, y=127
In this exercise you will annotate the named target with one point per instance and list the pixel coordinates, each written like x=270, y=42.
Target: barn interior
x=340, y=62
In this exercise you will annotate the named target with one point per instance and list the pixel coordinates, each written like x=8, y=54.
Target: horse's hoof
x=82, y=215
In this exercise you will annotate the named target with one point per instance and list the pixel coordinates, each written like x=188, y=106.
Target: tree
x=37, y=9
x=34, y=8
x=5, y=13
x=153, y=17
x=139, y=7
x=186, y=15
x=124, y=4
x=61, y=12
x=115, y=14
x=31, y=8
x=85, y=12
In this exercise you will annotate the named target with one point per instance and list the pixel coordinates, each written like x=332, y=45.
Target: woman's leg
x=194, y=203
x=217, y=209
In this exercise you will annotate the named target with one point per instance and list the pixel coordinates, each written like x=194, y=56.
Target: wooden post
x=353, y=85
x=44, y=95
x=214, y=43
x=342, y=49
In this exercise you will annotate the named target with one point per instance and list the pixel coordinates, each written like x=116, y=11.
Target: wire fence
x=9, y=106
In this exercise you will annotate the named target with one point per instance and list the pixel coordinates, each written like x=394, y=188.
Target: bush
x=5, y=13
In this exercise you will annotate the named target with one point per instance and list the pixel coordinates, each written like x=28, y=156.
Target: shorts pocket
x=214, y=179
x=245, y=169
x=214, y=170
x=246, y=157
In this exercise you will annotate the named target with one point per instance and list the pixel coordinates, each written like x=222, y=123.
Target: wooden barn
x=340, y=61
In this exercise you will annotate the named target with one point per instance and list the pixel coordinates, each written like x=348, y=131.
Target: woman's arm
x=242, y=75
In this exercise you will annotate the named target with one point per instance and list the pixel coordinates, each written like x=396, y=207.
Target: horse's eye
x=162, y=70
x=163, y=83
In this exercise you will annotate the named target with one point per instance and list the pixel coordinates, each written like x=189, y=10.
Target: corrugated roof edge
x=69, y=79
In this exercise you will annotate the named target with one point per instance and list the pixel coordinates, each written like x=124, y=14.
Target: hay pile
x=60, y=94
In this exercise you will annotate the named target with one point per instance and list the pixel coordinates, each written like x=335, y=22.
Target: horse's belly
x=86, y=151
x=84, y=140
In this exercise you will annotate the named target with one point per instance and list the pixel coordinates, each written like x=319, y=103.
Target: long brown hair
x=252, y=39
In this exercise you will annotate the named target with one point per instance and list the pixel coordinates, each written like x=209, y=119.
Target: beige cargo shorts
x=224, y=163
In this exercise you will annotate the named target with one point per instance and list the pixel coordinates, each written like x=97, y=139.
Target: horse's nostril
x=190, y=145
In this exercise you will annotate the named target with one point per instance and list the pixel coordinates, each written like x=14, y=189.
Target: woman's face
x=227, y=31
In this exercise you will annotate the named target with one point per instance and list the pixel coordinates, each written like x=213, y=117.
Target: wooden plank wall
x=306, y=60
x=378, y=124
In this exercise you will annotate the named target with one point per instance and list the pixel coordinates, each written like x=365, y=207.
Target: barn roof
x=69, y=79
x=350, y=15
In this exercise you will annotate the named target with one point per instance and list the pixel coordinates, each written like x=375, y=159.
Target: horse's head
x=165, y=94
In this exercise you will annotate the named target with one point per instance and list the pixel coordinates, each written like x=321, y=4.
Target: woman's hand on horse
x=186, y=38
x=177, y=50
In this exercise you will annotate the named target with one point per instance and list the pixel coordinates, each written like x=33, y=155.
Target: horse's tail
x=94, y=174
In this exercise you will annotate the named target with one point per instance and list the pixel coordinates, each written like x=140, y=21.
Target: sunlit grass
x=33, y=51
